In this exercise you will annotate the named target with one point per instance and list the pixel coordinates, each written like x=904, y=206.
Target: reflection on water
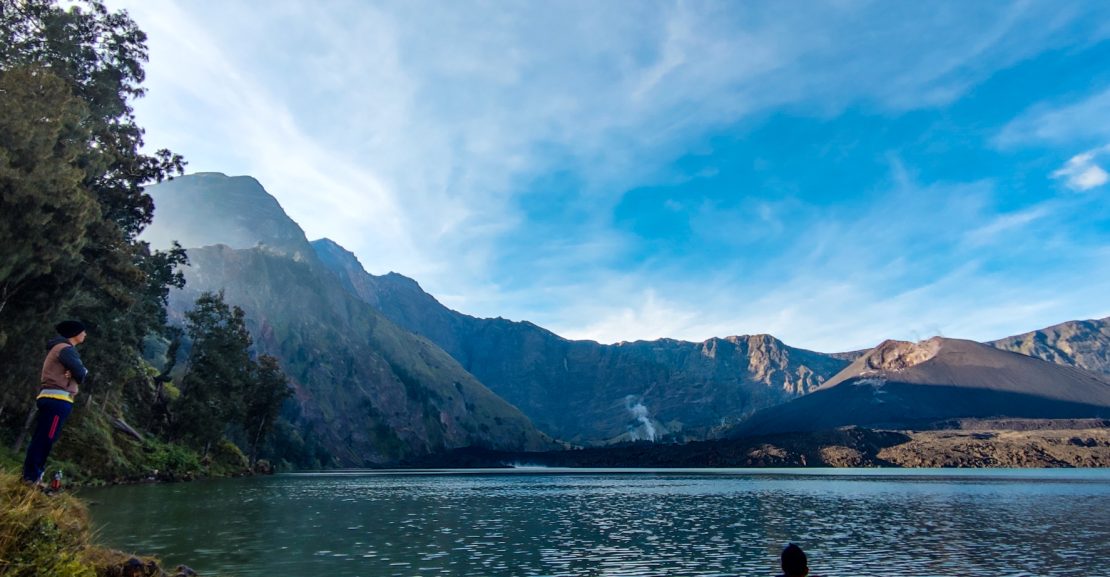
x=645, y=523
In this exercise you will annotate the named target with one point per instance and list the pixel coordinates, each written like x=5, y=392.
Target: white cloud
x=647, y=316
x=1081, y=172
x=909, y=267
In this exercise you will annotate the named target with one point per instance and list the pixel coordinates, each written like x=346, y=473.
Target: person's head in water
x=794, y=562
x=73, y=331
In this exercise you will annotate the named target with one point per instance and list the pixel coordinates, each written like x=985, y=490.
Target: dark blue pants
x=51, y=416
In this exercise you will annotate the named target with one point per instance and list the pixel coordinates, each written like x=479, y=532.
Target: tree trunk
x=22, y=436
x=254, y=445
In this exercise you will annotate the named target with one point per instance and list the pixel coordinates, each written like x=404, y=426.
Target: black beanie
x=794, y=561
x=69, y=329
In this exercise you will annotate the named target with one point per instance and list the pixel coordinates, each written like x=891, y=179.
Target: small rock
x=184, y=571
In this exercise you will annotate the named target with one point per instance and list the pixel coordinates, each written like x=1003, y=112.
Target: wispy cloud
x=427, y=138
x=918, y=262
x=1006, y=223
x=1081, y=121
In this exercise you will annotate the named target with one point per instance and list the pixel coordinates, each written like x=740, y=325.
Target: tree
x=41, y=135
x=268, y=389
x=223, y=387
x=218, y=373
x=44, y=209
x=72, y=173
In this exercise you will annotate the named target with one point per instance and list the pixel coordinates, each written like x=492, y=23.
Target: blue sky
x=831, y=173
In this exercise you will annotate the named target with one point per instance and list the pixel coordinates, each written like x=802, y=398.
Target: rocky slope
x=590, y=393
x=908, y=385
x=1083, y=344
x=368, y=391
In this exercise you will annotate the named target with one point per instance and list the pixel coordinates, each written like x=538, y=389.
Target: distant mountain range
x=901, y=385
x=385, y=371
x=585, y=392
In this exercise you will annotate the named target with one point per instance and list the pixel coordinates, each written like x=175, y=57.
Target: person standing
x=62, y=374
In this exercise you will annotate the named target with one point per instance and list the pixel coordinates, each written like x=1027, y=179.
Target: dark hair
x=794, y=562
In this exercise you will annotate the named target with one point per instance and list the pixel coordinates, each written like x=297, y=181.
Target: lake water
x=691, y=522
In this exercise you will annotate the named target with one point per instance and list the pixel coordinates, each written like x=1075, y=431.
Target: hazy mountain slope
x=368, y=390
x=210, y=208
x=587, y=392
x=905, y=385
x=1083, y=344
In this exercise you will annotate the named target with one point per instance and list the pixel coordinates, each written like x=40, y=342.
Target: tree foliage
x=45, y=206
x=268, y=390
x=72, y=205
x=223, y=388
x=218, y=371
x=72, y=171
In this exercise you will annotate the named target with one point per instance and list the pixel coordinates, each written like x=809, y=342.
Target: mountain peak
x=328, y=248
x=893, y=355
x=210, y=208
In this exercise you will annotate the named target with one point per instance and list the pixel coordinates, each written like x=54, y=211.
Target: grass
x=47, y=535
x=50, y=536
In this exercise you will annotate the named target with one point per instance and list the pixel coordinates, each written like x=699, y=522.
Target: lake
x=620, y=522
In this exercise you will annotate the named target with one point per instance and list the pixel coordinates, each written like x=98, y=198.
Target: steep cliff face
x=1083, y=344
x=585, y=392
x=368, y=391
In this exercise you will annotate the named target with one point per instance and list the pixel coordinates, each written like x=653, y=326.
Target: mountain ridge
x=368, y=391
x=664, y=388
x=901, y=385
x=1080, y=343
x=591, y=393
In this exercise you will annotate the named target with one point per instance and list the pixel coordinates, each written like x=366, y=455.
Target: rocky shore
x=1081, y=447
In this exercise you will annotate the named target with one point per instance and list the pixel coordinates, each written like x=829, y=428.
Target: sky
x=834, y=174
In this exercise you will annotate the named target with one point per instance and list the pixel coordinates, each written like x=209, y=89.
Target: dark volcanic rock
x=987, y=444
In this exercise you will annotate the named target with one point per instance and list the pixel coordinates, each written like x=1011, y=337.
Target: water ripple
x=618, y=524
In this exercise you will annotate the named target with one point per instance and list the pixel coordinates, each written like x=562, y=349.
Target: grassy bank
x=50, y=535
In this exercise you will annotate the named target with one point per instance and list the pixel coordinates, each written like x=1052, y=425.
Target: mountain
x=210, y=208
x=367, y=391
x=1083, y=344
x=901, y=385
x=585, y=392
x=588, y=393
